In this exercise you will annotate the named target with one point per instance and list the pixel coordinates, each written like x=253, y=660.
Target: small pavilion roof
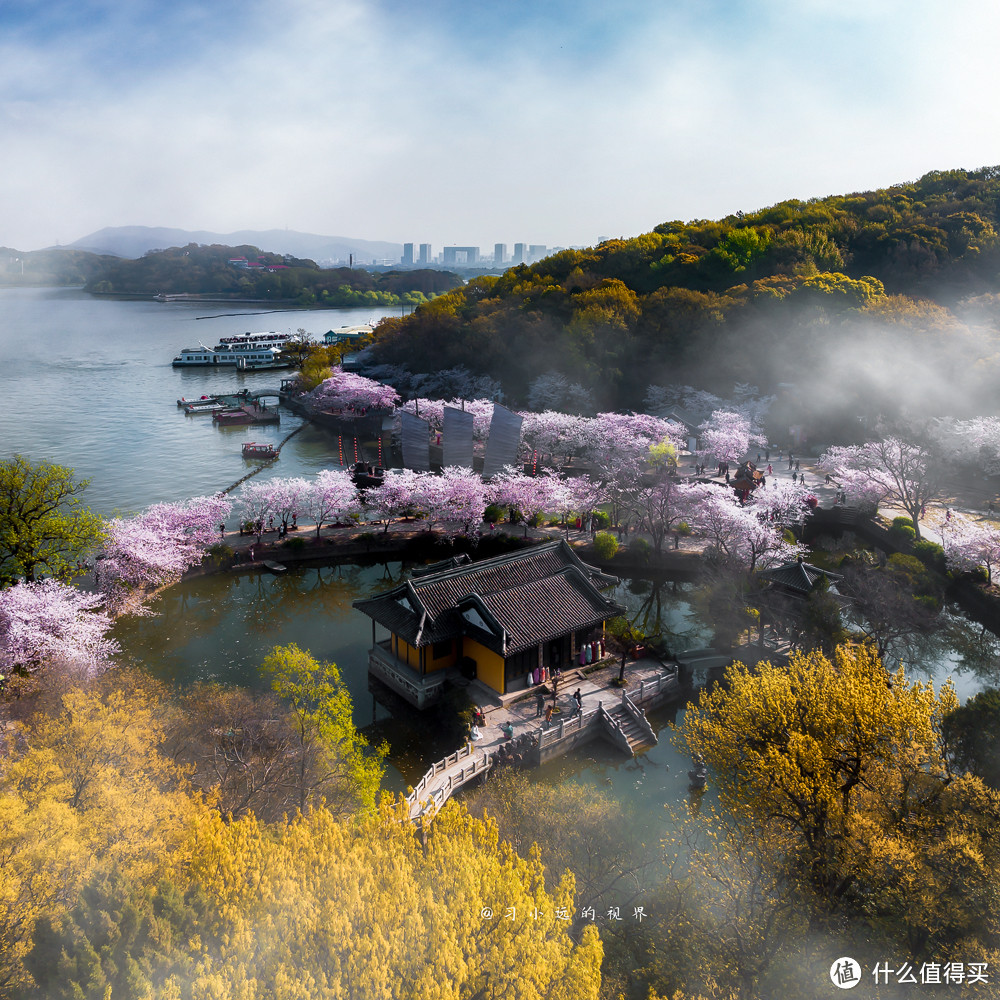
x=799, y=576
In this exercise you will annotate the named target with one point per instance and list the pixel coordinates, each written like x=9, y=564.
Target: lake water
x=87, y=382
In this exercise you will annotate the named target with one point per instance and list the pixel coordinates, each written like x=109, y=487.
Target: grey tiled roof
x=799, y=576
x=533, y=596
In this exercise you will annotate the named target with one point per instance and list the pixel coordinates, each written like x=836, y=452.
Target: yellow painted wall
x=489, y=665
x=407, y=653
x=448, y=660
x=411, y=655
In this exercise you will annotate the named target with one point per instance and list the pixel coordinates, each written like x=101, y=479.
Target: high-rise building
x=520, y=253
x=425, y=253
x=407, y=253
x=499, y=254
x=536, y=251
x=470, y=255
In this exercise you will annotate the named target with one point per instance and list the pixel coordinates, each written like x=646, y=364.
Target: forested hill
x=245, y=272
x=762, y=297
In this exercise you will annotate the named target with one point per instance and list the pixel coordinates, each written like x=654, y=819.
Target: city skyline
x=383, y=119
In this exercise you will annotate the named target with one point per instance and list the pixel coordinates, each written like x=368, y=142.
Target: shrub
x=219, y=554
x=931, y=555
x=684, y=529
x=605, y=545
x=902, y=522
x=640, y=547
x=603, y=519
x=493, y=514
x=902, y=534
x=295, y=544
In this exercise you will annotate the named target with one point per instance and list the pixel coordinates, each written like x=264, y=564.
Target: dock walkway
x=618, y=715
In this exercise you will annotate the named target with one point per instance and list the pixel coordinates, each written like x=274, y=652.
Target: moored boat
x=254, y=450
x=366, y=476
x=249, y=351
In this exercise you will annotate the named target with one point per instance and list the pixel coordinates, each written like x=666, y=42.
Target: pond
x=221, y=627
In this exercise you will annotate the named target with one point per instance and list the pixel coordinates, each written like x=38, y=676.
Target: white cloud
x=347, y=118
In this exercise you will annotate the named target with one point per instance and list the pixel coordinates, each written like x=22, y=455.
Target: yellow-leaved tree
x=85, y=791
x=330, y=760
x=322, y=909
x=840, y=821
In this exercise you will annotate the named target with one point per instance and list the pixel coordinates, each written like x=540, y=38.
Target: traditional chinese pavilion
x=799, y=578
x=494, y=620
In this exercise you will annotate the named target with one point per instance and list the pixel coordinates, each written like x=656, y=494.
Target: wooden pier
x=619, y=717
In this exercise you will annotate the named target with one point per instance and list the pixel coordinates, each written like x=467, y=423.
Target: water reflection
x=657, y=606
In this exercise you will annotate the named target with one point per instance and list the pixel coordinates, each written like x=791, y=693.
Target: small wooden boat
x=367, y=476
x=194, y=408
x=274, y=567
x=253, y=450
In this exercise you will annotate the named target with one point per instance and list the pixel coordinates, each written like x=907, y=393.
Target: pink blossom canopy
x=345, y=390
x=46, y=621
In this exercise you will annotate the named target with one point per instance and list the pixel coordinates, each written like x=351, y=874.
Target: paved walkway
x=597, y=686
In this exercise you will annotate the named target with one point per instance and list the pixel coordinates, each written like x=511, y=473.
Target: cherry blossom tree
x=398, y=494
x=530, y=495
x=52, y=621
x=456, y=499
x=155, y=547
x=968, y=544
x=577, y=494
x=288, y=498
x=347, y=391
x=746, y=535
x=331, y=497
x=889, y=471
x=658, y=508
x=726, y=436
x=554, y=389
x=780, y=500
x=257, y=501
x=551, y=434
x=431, y=410
x=623, y=447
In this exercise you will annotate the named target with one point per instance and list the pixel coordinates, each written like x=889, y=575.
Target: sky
x=557, y=122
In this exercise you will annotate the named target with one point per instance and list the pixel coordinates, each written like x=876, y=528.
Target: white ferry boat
x=248, y=351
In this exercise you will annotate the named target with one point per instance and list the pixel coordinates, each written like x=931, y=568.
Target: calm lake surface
x=88, y=383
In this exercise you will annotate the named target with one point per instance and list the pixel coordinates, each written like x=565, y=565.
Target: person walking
x=578, y=699
x=548, y=713
x=539, y=703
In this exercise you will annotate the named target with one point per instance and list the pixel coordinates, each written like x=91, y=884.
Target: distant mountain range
x=134, y=241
